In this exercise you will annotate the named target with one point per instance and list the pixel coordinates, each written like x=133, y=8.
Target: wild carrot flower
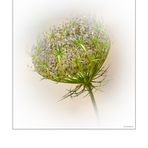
x=73, y=52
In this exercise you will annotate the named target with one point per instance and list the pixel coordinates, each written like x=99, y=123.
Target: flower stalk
x=93, y=100
x=74, y=53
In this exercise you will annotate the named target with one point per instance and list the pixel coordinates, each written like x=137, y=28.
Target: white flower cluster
x=73, y=52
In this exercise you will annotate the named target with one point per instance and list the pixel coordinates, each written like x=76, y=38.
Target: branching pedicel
x=74, y=52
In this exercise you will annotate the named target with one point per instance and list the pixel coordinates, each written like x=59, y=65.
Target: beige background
x=35, y=101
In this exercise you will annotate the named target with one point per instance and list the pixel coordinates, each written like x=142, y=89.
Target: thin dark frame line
x=130, y=128
x=12, y=65
x=74, y=129
x=135, y=61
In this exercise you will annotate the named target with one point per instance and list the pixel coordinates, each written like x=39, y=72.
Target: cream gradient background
x=35, y=101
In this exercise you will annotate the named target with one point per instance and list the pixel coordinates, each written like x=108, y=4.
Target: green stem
x=93, y=100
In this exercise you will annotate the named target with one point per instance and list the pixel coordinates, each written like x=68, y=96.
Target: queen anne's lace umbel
x=74, y=52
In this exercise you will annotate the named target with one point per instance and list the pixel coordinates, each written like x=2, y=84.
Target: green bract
x=73, y=52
